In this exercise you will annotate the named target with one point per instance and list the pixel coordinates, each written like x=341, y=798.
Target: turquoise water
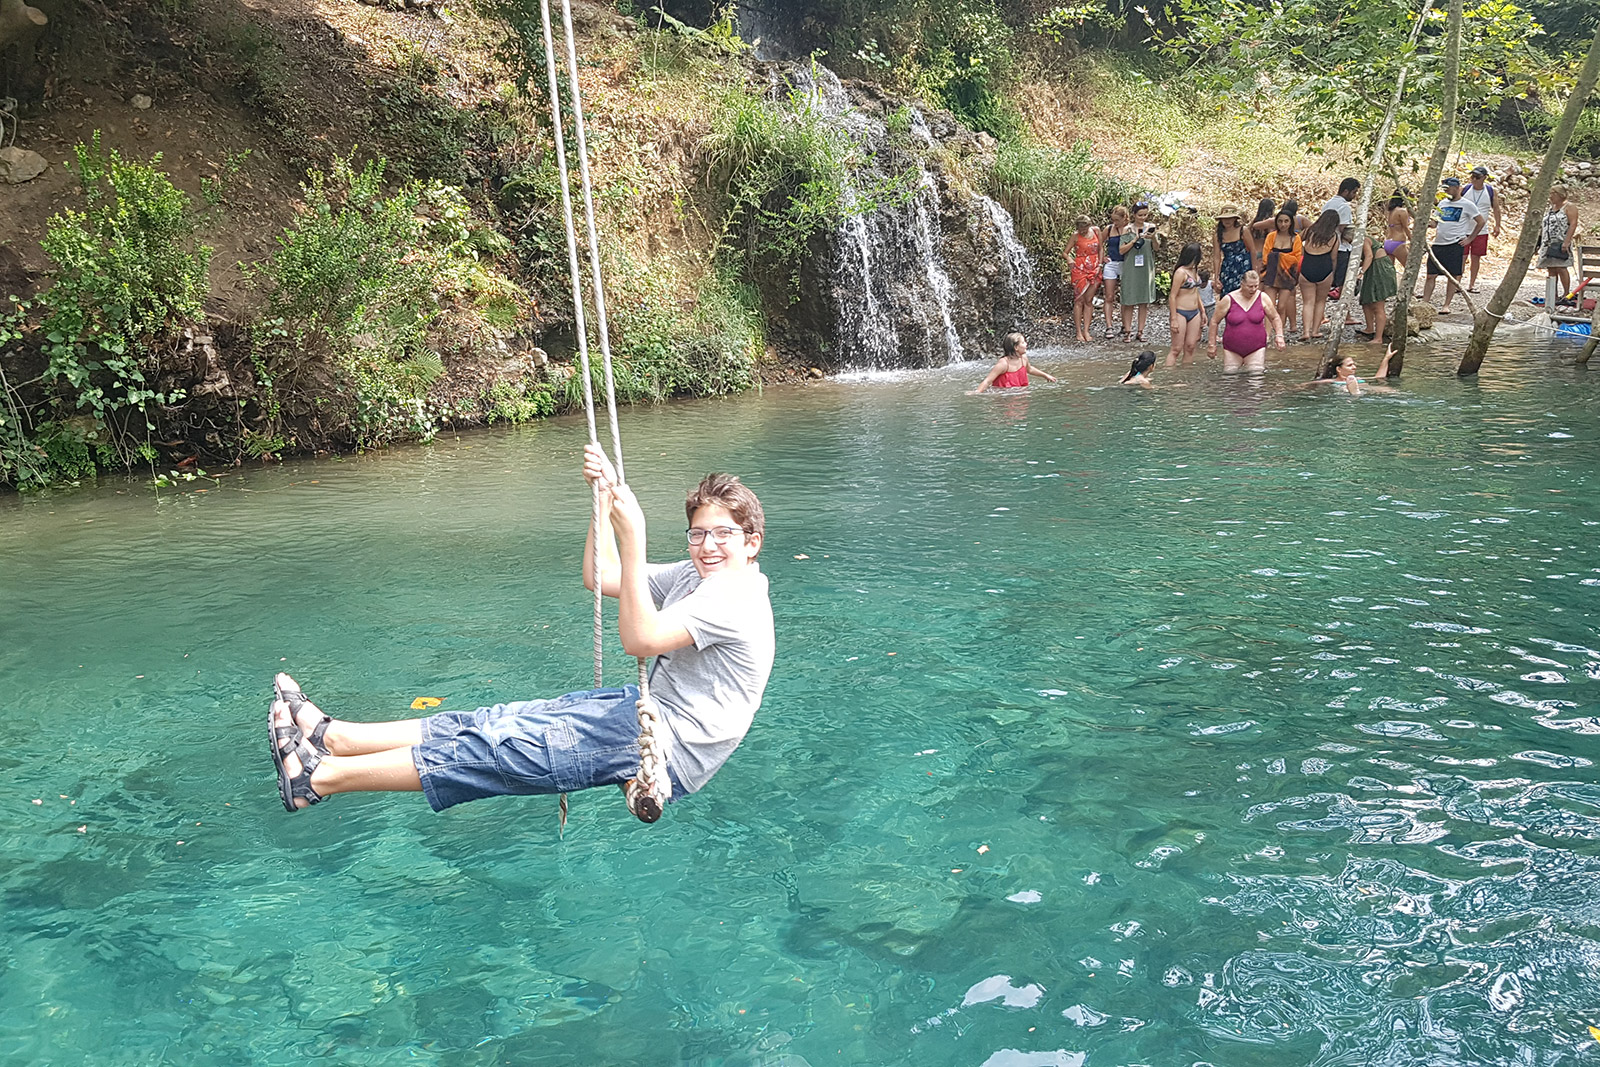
x=1231, y=724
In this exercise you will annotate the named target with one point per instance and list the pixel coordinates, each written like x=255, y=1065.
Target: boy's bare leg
x=390, y=770
x=344, y=738
x=361, y=738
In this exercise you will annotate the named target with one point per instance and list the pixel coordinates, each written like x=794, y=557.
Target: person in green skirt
x=1378, y=285
x=1139, y=243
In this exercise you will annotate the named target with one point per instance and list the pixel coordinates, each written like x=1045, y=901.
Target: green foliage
x=360, y=276
x=127, y=268
x=519, y=402
x=1063, y=19
x=128, y=272
x=660, y=353
x=1585, y=143
x=1338, y=60
x=781, y=170
x=1046, y=189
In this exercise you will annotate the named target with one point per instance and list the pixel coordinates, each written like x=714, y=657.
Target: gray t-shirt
x=709, y=691
x=1346, y=214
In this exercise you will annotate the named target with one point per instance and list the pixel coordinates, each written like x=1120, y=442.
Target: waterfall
x=1019, y=265
x=905, y=282
x=938, y=279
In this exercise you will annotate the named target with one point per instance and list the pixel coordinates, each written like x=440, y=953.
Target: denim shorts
x=576, y=741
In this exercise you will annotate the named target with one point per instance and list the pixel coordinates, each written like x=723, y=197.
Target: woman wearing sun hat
x=1234, y=251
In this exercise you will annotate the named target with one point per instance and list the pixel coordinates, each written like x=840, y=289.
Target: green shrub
x=1046, y=189
x=519, y=402
x=1585, y=143
x=780, y=169
x=360, y=276
x=659, y=352
x=128, y=273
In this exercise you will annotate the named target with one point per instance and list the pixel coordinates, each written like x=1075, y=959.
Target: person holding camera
x=1555, y=239
x=1138, y=243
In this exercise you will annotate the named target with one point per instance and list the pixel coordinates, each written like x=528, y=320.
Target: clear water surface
x=1236, y=723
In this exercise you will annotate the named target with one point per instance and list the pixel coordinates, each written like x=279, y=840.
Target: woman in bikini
x=1112, y=271
x=1010, y=371
x=1246, y=312
x=1085, y=274
x=1183, y=301
x=1319, y=244
x=1234, y=251
x=1280, y=266
x=1397, y=231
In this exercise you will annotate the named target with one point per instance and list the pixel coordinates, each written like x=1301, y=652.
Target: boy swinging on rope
x=707, y=620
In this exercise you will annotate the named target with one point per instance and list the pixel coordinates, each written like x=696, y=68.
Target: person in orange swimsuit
x=1085, y=271
x=1010, y=371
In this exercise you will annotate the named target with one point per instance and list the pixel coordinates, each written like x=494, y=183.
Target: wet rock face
x=928, y=272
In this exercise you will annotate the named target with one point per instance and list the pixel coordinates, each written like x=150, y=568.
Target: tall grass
x=1045, y=189
x=1153, y=113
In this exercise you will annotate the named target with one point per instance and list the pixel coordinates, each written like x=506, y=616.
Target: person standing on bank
x=1556, y=235
x=1341, y=202
x=1487, y=201
x=1139, y=242
x=1459, y=222
x=1234, y=250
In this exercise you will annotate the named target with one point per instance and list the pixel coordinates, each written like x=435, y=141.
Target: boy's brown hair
x=727, y=491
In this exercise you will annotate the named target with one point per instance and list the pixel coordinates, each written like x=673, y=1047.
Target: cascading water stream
x=892, y=293
x=1019, y=265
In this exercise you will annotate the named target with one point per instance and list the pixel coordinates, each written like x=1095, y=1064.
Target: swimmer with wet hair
x=1139, y=373
x=1340, y=372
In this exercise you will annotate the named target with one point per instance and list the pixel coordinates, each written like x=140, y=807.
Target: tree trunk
x=1484, y=323
x=1430, y=184
x=1349, y=296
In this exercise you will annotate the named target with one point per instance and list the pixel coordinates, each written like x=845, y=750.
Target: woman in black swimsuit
x=1320, y=242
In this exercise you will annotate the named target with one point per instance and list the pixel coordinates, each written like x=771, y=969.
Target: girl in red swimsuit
x=1010, y=371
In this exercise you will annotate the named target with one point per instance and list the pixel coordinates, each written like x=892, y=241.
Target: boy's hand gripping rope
x=648, y=794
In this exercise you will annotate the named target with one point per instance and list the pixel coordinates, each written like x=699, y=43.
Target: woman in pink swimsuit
x=1246, y=313
x=1010, y=371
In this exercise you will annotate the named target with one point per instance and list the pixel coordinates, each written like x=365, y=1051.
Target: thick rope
x=654, y=784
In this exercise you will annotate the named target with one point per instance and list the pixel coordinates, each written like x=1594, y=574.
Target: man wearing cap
x=1341, y=202
x=1459, y=222
x=1487, y=201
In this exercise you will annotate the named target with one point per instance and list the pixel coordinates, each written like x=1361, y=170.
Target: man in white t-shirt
x=706, y=620
x=1487, y=201
x=1342, y=203
x=1459, y=222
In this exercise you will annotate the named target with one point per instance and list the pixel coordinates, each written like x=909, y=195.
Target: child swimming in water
x=1010, y=371
x=1139, y=373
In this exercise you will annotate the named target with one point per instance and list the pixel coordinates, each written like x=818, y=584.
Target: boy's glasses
x=719, y=534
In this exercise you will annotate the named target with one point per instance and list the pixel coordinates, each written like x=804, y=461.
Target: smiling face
x=734, y=554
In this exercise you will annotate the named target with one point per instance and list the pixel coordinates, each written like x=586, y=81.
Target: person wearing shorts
x=707, y=621
x=1487, y=201
x=1459, y=222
